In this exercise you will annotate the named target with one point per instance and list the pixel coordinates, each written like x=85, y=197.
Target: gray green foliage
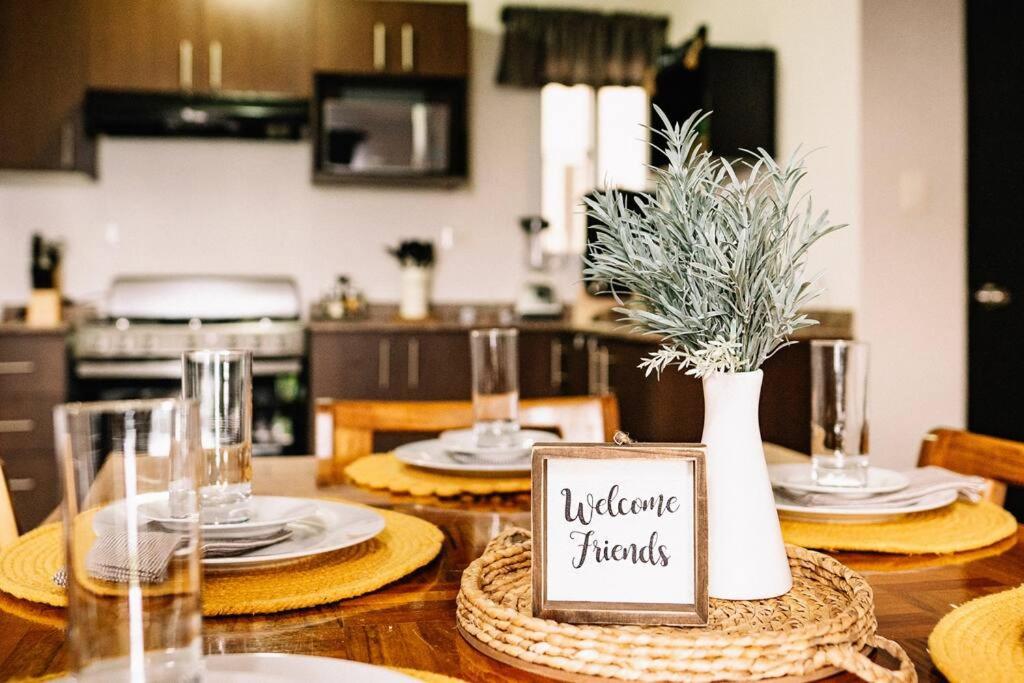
x=715, y=256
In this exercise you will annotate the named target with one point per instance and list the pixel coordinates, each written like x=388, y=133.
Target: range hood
x=239, y=115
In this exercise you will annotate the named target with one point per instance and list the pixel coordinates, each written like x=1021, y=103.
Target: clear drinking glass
x=495, y=359
x=839, y=425
x=133, y=583
x=220, y=381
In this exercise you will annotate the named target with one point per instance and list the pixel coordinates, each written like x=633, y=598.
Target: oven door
x=279, y=395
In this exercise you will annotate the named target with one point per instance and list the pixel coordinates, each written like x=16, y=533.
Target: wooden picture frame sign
x=620, y=534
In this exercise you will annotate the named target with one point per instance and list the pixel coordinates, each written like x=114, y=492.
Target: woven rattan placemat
x=406, y=544
x=386, y=472
x=961, y=526
x=827, y=620
x=982, y=640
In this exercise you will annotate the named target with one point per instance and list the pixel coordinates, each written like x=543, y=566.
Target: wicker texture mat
x=982, y=640
x=406, y=544
x=827, y=620
x=961, y=526
x=386, y=472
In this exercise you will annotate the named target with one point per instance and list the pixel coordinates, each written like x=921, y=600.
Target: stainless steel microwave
x=389, y=129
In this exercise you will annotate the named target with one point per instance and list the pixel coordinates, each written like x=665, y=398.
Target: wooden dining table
x=411, y=623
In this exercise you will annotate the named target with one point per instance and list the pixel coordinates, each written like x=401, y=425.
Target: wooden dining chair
x=8, y=522
x=1001, y=461
x=345, y=429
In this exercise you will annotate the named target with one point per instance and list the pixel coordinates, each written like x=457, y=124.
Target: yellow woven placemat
x=961, y=526
x=982, y=640
x=406, y=544
x=386, y=472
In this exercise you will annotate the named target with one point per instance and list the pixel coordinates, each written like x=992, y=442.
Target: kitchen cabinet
x=200, y=45
x=258, y=45
x=410, y=38
x=144, y=44
x=33, y=379
x=42, y=76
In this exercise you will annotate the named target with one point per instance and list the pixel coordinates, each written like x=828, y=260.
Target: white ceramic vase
x=414, y=301
x=746, y=555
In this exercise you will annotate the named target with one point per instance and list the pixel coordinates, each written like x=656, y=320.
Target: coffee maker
x=538, y=297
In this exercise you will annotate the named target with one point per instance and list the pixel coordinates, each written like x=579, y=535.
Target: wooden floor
x=412, y=622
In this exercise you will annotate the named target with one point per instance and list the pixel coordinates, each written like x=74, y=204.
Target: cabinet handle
x=380, y=39
x=185, y=64
x=414, y=363
x=17, y=367
x=216, y=64
x=592, y=361
x=604, y=361
x=556, y=364
x=384, y=364
x=16, y=426
x=408, y=48
x=67, y=145
x=21, y=484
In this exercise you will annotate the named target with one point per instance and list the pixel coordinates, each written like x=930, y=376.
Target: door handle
x=384, y=364
x=557, y=376
x=216, y=65
x=991, y=295
x=408, y=48
x=185, y=64
x=380, y=40
x=21, y=484
x=16, y=426
x=414, y=363
x=17, y=367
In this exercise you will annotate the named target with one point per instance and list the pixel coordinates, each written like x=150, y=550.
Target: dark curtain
x=575, y=47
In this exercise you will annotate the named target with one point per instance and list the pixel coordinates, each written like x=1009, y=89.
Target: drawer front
x=26, y=424
x=32, y=364
x=35, y=489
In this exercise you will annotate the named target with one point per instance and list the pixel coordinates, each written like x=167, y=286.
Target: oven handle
x=171, y=369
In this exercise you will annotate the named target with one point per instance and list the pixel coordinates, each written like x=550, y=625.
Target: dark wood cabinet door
x=351, y=36
x=351, y=366
x=435, y=366
x=433, y=39
x=258, y=45
x=139, y=45
x=42, y=77
x=542, y=363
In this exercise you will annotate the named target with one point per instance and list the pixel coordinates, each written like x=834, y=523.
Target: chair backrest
x=8, y=522
x=999, y=460
x=345, y=429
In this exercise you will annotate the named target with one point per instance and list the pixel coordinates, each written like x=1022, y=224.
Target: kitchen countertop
x=445, y=318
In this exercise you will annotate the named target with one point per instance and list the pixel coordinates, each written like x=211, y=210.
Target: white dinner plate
x=862, y=514
x=332, y=526
x=797, y=477
x=275, y=667
x=433, y=454
x=269, y=514
x=464, y=441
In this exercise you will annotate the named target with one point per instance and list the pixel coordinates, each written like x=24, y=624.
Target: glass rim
x=123, y=405
x=492, y=332
x=218, y=354
x=838, y=343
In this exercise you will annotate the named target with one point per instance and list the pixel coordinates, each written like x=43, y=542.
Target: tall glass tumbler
x=130, y=473
x=220, y=381
x=495, y=360
x=839, y=425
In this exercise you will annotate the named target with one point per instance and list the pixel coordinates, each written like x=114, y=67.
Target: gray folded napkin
x=924, y=481
x=109, y=559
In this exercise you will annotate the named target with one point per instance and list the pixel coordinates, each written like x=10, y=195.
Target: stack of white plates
x=795, y=478
x=316, y=526
x=457, y=451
